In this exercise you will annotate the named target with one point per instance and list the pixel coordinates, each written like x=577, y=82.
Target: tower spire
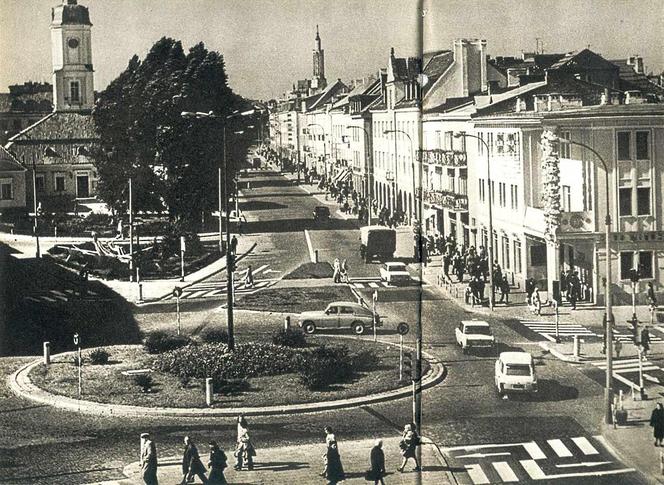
x=319, y=81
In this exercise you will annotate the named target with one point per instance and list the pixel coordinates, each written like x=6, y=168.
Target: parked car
x=515, y=372
x=377, y=242
x=339, y=314
x=394, y=273
x=474, y=334
x=321, y=213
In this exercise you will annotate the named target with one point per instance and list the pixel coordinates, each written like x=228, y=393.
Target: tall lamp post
x=35, y=227
x=324, y=149
x=608, y=390
x=369, y=168
x=463, y=134
x=418, y=327
x=230, y=257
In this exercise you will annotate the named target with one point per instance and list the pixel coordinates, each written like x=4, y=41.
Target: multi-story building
x=22, y=106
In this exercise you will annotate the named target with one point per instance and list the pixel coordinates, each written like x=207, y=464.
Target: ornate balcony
x=446, y=199
x=444, y=158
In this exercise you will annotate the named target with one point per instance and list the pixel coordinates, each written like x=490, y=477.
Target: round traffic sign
x=177, y=292
x=402, y=328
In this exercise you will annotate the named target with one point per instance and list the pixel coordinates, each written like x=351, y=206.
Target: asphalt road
x=463, y=416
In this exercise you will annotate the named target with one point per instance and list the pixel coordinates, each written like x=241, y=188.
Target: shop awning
x=342, y=176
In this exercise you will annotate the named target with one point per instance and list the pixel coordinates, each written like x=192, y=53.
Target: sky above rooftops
x=267, y=44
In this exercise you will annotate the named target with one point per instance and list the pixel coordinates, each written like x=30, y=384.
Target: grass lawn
x=311, y=270
x=106, y=383
x=294, y=300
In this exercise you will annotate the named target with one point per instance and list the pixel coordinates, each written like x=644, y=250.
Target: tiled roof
x=59, y=126
x=450, y=104
x=437, y=65
x=8, y=162
x=405, y=68
x=634, y=80
x=328, y=94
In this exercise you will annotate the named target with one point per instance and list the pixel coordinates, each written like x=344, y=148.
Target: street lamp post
x=463, y=134
x=35, y=227
x=369, y=169
x=230, y=258
x=417, y=384
x=608, y=390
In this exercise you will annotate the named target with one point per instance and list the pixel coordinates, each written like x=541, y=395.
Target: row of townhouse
x=462, y=142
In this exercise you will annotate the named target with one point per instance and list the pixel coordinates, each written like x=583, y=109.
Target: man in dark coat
x=191, y=463
x=657, y=423
x=530, y=287
x=377, y=471
x=148, y=460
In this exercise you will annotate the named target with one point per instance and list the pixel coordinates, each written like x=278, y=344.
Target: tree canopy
x=172, y=160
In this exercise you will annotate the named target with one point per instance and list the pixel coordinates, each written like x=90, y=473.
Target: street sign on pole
x=77, y=342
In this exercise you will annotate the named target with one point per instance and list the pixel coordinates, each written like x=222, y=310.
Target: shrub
x=324, y=365
x=216, y=361
x=159, y=341
x=289, y=337
x=184, y=380
x=230, y=386
x=215, y=335
x=99, y=357
x=364, y=360
x=144, y=381
x=74, y=360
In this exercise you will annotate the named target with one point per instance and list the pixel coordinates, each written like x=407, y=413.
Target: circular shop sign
x=402, y=328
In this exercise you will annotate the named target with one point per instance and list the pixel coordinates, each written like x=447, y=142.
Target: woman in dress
x=334, y=470
x=408, y=444
x=217, y=464
x=657, y=423
x=245, y=450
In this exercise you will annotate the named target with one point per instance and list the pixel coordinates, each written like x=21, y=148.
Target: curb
x=560, y=355
x=21, y=385
x=441, y=459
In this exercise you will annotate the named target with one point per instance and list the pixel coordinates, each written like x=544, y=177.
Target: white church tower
x=73, y=76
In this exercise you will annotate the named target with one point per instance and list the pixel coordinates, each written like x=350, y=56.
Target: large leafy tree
x=172, y=161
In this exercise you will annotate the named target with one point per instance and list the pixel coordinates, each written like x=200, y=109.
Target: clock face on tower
x=73, y=43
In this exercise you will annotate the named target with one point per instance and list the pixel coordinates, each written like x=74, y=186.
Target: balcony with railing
x=444, y=158
x=446, y=199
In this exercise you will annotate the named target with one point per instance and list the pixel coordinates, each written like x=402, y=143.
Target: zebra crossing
x=368, y=282
x=210, y=289
x=59, y=296
x=631, y=366
x=629, y=337
x=550, y=459
x=547, y=329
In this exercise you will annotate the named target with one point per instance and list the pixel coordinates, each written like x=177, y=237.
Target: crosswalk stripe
x=585, y=446
x=197, y=294
x=358, y=285
x=505, y=471
x=373, y=285
x=534, y=451
x=477, y=475
x=560, y=449
x=533, y=469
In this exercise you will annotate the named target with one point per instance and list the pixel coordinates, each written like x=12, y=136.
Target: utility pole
x=131, y=233
x=35, y=227
x=230, y=256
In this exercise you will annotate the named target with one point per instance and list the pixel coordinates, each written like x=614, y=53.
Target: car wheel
x=464, y=349
x=358, y=328
x=500, y=390
x=309, y=328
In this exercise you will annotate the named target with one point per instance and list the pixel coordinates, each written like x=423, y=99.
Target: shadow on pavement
x=280, y=466
x=298, y=225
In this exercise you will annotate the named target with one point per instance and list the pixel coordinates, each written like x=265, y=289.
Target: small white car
x=394, y=273
x=340, y=314
x=474, y=334
x=515, y=372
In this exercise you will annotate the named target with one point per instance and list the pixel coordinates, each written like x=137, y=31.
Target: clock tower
x=73, y=76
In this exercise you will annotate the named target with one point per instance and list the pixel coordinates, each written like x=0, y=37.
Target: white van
x=515, y=372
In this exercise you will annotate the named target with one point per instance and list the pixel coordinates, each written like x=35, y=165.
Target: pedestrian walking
x=217, y=463
x=657, y=423
x=334, y=470
x=650, y=294
x=504, y=290
x=191, y=463
x=377, y=459
x=148, y=460
x=233, y=245
x=336, y=274
x=245, y=451
x=617, y=347
x=645, y=341
x=536, y=301
x=343, y=276
x=408, y=444
x=530, y=287
x=249, y=278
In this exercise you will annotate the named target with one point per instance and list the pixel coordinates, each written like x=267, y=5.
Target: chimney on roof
x=392, y=52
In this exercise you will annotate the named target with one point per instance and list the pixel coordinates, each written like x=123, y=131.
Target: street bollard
x=140, y=292
x=208, y=391
x=47, y=353
x=577, y=346
x=287, y=323
x=315, y=255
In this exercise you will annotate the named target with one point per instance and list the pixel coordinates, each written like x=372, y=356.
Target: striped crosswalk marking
x=585, y=446
x=559, y=448
x=477, y=475
x=564, y=328
x=533, y=469
x=624, y=366
x=534, y=451
x=505, y=472
x=373, y=285
x=624, y=337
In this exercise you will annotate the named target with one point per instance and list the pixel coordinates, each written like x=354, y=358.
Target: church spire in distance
x=319, y=81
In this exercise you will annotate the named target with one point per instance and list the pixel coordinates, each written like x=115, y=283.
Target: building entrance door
x=82, y=186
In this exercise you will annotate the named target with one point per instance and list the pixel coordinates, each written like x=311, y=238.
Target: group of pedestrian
x=573, y=288
x=192, y=464
x=333, y=471
x=340, y=271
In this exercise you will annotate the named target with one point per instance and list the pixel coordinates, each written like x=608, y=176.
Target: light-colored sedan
x=339, y=314
x=395, y=273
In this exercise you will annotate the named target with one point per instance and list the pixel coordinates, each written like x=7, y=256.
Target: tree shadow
x=281, y=466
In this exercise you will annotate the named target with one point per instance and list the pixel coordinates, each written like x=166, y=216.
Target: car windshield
x=477, y=330
x=517, y=370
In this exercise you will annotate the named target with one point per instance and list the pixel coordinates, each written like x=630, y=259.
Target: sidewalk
x=302, y=464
